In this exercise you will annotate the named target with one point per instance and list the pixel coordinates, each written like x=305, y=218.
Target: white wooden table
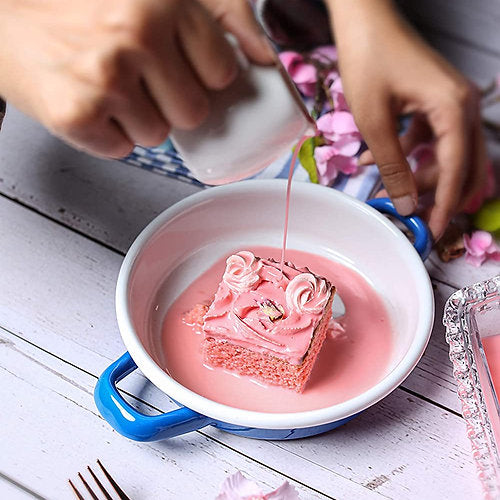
x=66, y=221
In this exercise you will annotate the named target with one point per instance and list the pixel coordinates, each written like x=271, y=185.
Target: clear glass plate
x=472, y=315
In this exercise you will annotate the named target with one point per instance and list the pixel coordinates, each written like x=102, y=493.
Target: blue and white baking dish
x=190, y=236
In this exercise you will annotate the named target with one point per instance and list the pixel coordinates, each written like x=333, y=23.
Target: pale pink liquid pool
x=347, y=365
x=491, y=346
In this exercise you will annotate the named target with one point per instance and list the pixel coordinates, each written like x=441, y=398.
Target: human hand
x=106, y=76
x=388, y=71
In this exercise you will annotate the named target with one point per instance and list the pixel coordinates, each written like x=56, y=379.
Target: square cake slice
x=267, y=324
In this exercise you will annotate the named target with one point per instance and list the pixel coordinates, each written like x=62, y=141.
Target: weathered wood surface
x=53, y=431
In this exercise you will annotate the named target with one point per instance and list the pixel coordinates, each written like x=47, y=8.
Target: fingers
x=365, y=158
x=141, y=119
x=157, y=66
x=188, y=61
x=106, y=140
x=209, y=53
x=451, y=131
x=477, y=171
x=418, y=132
x=458, y=174
x=426, y=178
x=236, y=16
x=83, y=119
x=379, y=132
x=174, y=86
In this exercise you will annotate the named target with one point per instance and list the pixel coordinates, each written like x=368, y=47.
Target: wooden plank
x=53, y=431
x=401, y=450
x=108, y=200
x=15, y=491
x=458, y=273
x=433, y=377
x=57, y=292
x=388, y=449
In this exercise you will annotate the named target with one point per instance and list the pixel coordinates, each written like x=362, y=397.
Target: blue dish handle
x=133, y=424
x=423, y=239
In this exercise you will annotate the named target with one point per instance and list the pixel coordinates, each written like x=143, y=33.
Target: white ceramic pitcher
x=251, y=123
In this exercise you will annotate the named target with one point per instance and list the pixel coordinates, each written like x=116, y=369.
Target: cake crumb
x=194, y=317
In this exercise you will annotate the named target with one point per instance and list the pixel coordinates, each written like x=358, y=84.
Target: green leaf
x=306, y=157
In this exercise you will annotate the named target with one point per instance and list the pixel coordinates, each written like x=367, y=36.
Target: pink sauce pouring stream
x=288, y=190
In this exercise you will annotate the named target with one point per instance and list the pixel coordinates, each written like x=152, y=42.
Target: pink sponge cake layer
x=267, y=324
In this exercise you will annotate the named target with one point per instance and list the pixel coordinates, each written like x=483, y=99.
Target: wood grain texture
x=59, y=432
x=14, y=490
x=107, y=200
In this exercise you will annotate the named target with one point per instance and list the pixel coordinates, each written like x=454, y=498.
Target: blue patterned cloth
x=165, y=160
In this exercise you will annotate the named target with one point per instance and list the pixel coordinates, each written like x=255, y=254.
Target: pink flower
x=479, y=247
x=325, y=54
x=337, y=124
x=305, y=74
x=337, y=92
x=329, y=164
x=343, y=143
x=238, y=487
x=302, y=73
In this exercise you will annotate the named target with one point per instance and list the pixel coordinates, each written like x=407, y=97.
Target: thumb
x=237, y=17
x=381, y=137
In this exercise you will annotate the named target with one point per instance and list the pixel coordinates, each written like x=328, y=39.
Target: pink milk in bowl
x=472, y=320
x=348, y=363
x=369, y=259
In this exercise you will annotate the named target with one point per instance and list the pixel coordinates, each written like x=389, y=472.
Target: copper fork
x=121, y=494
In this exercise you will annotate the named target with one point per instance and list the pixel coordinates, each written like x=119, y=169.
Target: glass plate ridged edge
x=465, y=371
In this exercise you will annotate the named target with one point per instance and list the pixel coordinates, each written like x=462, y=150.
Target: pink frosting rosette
x=307, y=294
x=242, y=272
